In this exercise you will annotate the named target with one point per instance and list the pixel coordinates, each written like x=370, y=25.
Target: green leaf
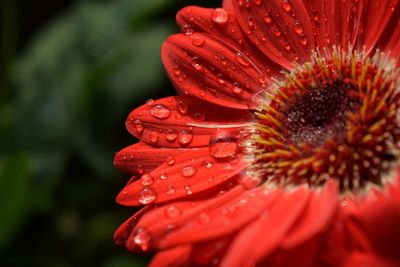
x=14, y=195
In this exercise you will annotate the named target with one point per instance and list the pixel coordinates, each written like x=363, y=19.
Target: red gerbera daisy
x=282, y=146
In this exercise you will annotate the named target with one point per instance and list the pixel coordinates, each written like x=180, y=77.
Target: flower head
x=282, y=147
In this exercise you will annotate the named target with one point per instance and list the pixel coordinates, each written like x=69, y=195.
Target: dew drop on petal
x=219, y=15
x=142, y=238
x=236, y=88
x=187, y=29
x=140, y=169
x=188, y=190
x=242, y=59
x=185, y=137
x=172, y=212
x=208, y=164
x=198, y=116
x=150, y=102
x=170, y=160
x=182, y=107
x=286, y=5
x=298, y=28
x=171, y=135
x=160, y=111
x=153, y=137
x=138, y=124
x=188, y=171
x=198, y=41
x=223, y=145
x=171, y=190
x=164, y=176
x=146, y=196
x=146, y=180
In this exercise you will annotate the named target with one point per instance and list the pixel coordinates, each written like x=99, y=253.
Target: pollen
x=334, y=117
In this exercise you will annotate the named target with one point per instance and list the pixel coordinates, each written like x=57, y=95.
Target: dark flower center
x=333, y=118
x=319, y=114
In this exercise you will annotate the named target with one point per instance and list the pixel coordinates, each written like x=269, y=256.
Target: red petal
x=280, y=29
x=160, y=221
x=248, y=248
x=211, y=69
x=174, y=257
x=122, y=233
x=376, y=16
x=223, y=220
x=140, y=158
x=222, y=22
x=357, y=259
x=318, y=213
x=189, y=173
x=182, y=121
x=390, y=39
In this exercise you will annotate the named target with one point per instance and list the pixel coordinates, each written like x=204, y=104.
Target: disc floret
x=335, y=117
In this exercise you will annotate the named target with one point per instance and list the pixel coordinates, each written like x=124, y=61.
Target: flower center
x=334, y=117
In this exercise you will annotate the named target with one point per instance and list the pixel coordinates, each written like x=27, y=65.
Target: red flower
x=282, y=146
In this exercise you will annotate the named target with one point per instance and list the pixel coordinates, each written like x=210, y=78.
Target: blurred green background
x=70, y=73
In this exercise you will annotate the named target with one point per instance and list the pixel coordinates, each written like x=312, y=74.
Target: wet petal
x=206, y=67
x=141, y=158
x=248, y=248
x=191, y=172
x=280, y=29
x=222, y=22
x=375, y=18
x=174, y=257
x=222, y=220
x=390, y=39
x=163, y=220
x=123, y=232
x=182, y=121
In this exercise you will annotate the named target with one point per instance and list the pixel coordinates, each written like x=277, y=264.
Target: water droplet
x=153, y=137
x=220, y=79
x=242, y=59
x=171, y=190
x=187, y=29
x=146, y=180
x=188, y=171
x=250, y=180
x=257, y=2
x=140, y=169
x=182, y=107
x=164, y=176
x=185, y=137
x=286, y=6
x=160, y=111
x=138, y=124
x=147, y=196
x=150, y=102
x=170, y=160
x=219, y=15
x=142, y=238
x=197, y=64
x=222, y=145
x=267, y=19
x=198, y=41
x=172, y=212
x=276, y=31
x=171, y=135
x=188, y=190
x=298, y=28
x=199, y=116
x=236, y=88
x=208, y=164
